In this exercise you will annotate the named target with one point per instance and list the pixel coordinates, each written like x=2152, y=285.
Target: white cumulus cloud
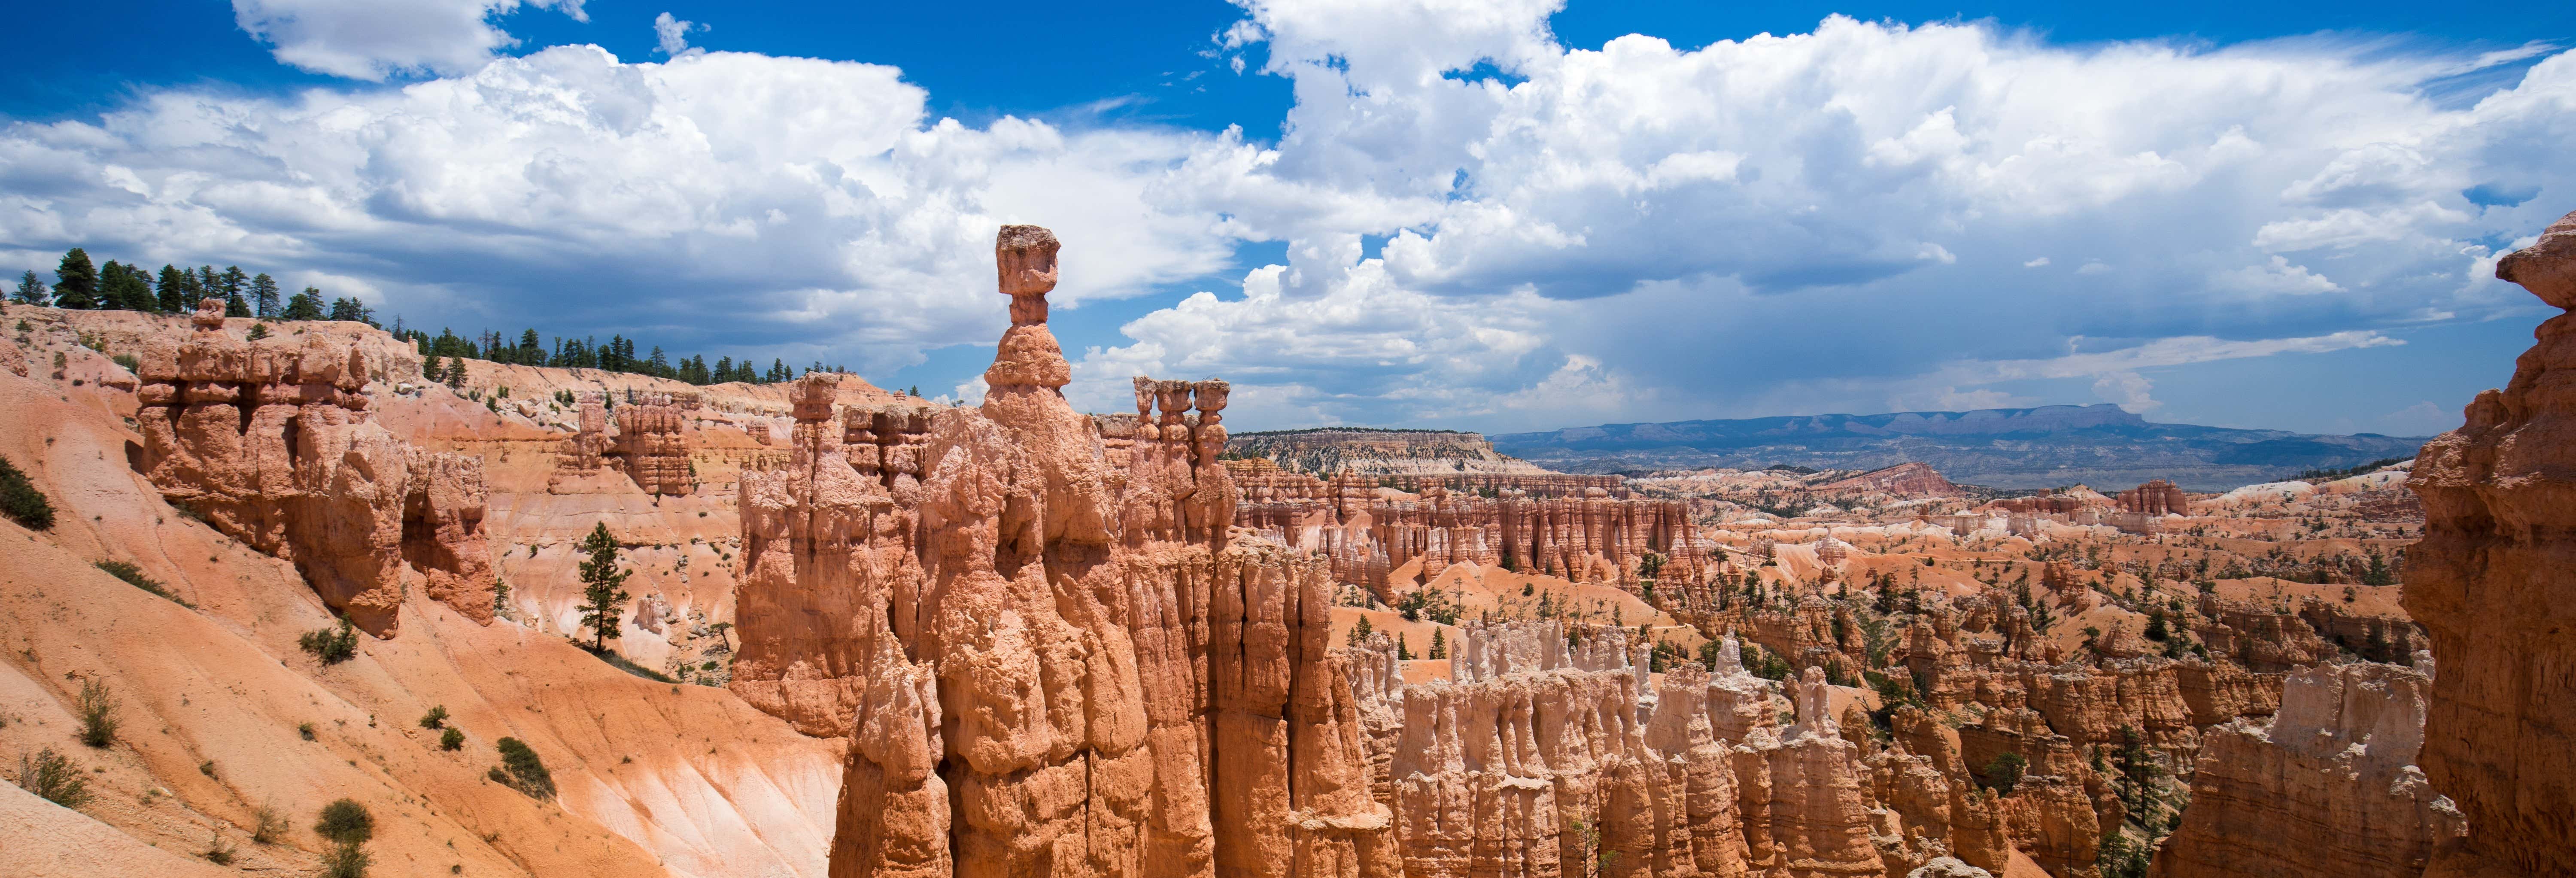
x=373, y=40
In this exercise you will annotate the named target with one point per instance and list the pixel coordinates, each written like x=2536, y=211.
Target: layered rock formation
x=270, y=441
x=1591, y=538
x=1382, y=453
x=2327, y=788
x=2157, y=497
x=650, y=445
x=2491, y=583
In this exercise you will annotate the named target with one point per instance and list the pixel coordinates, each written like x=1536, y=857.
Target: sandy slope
x=655, y=779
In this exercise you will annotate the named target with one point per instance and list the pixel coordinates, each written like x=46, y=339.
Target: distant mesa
x=2023, y=449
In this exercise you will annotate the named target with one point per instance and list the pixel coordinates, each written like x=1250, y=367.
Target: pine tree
x=349, y=308
x=235, y=284
x=126, y=288
x=173, y=290
x=32, y=291
x=76, y=281
x=430, y=371
x=263, y=296
x=603, y=594
x=456, y=373
x=306, y=305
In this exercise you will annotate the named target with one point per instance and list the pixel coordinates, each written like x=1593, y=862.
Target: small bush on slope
x=527, y=773
x=332, y=646
x=53, y=778
x=345, y=821
x=20, y=500
x=97, y=711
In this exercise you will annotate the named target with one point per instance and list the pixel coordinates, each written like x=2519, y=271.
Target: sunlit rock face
x=272, y=443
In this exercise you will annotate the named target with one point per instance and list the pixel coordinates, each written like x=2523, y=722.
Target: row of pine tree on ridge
x=81, y=284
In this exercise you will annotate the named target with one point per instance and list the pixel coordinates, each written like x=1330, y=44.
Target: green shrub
x=129, y=362
x=53, y=778
x=436, y=718
x=2005, y=771
x=133, y=576
x=452, y=739
x=332, y=646
x=527, y=773
x=347, y=822
x=97, y=711
x=20, y=500
x=346, y=861
x=304, y=729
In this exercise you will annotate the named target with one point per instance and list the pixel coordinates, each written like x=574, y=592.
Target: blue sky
x=1486, y=215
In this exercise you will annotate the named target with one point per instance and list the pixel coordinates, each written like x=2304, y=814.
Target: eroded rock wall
x=2491, y=583
x=271, y=442
x=2326, y=788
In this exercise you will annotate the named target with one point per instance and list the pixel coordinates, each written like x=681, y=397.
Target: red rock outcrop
x=649, y=443
x=270, y=441
x=2327, y=788
x=2492, y=584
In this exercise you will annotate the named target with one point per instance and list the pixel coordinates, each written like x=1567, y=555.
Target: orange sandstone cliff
x=2492, y=583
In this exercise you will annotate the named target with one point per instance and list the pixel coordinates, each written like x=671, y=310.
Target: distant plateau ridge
x=2100, y=445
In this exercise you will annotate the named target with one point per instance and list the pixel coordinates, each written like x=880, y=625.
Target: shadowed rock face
x=2492, y=583
x=270, y=441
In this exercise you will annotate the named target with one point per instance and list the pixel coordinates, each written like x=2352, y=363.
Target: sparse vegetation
x=346, y=861
x=267, y=826
x=53, y=778
x=436, y=718
x=133, y=576
x=621, y=663
x=2005, y=771
x=525, y=771
x=219, y=851
x=21, y=502
x=97, y=711
x=304, y=729
x=452, y=739
x=332, y=646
